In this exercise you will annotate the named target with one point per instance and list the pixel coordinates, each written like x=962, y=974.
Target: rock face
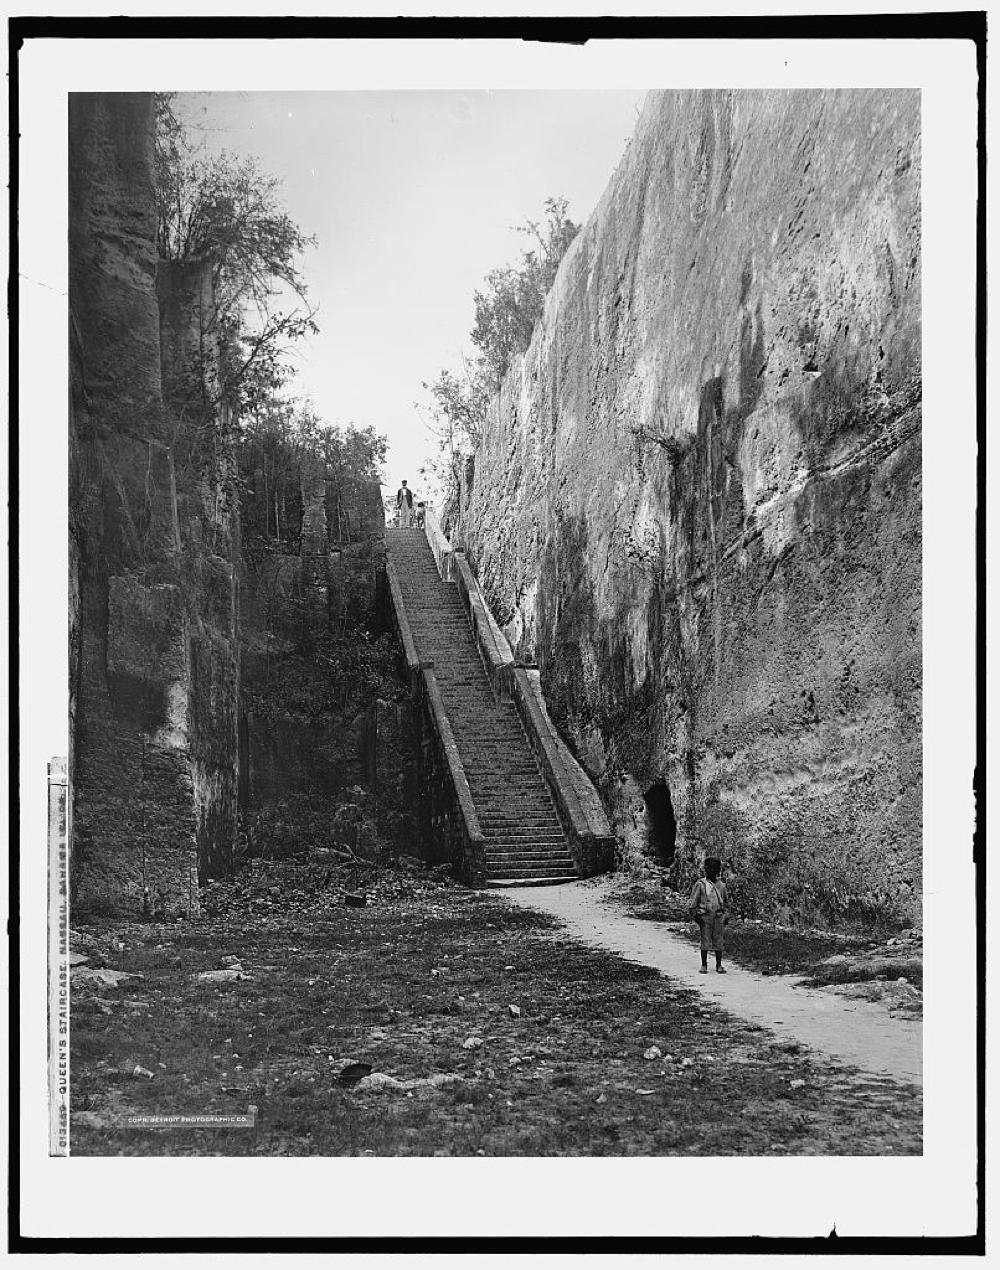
x=324, y=724
x=154, y=531
x=698, y=500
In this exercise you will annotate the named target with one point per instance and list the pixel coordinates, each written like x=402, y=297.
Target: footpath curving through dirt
x=854, y=1031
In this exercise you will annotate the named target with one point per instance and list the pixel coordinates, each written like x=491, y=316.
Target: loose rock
x=97, y=980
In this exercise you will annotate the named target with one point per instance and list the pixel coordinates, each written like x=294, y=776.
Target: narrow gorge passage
x=525, y=842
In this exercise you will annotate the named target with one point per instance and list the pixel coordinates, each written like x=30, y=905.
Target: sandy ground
x=861, y=1033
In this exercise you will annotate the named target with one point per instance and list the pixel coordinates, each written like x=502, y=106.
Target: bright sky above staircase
x=412, y=197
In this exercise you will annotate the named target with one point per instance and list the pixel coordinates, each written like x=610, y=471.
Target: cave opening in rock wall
x=661, y=821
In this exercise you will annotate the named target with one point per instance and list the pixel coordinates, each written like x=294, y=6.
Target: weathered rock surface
x=698, y=500
x=154, y=537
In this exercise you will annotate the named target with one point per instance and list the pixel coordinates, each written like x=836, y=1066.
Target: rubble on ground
x=320, y=880
x=90, y=979
x=898, y=994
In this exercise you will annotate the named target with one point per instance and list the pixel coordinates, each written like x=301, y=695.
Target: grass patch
x=780, y=950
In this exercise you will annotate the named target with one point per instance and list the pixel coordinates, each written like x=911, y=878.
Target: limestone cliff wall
x=154, y=536
x=698, y=500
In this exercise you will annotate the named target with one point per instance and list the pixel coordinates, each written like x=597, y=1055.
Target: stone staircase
x=525, y=842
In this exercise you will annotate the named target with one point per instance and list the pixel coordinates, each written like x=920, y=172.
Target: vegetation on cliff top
x=279, y=439
x=507, y=308
x=224, y=209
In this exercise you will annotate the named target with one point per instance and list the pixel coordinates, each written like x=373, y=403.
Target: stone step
x=549, y=835
x=500, y=817
x=557, y=871
x=525, y=846
x=534, y=831
x=530, y=826
x=545, y=840
x=514, y=784
x=508, y=813
x=500, y=862
x=509, y=793
x=497, y=821
x=505, y=810
x=491, y=763
x=529, y=842
x=497, y=863
x=513, y=817
x=509, y=796
x=514, y=790
x=502, y=882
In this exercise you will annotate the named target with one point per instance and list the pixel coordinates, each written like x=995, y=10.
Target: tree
x=226, y=210
x=507, y=310
x=460, y=405
x=278, y=440
x=510, y=306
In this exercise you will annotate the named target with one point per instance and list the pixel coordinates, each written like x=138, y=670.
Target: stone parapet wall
x=697, y=502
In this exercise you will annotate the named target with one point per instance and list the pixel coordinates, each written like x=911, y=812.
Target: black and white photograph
x=502, y=702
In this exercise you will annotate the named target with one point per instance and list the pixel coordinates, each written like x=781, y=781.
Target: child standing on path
x=709, y=908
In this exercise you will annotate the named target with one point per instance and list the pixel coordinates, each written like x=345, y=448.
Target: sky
x=412, y=197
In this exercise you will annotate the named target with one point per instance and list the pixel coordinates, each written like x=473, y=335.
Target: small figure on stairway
x=421, y=511
x=404, y=506
x=709, y=906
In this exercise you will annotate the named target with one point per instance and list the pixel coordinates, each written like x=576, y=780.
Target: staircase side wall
x=697, y=501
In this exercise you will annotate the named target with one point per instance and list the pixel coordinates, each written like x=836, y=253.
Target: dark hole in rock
x=353, y=1073
x=662, y=824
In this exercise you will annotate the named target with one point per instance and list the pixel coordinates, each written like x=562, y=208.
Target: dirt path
x=854, y=1031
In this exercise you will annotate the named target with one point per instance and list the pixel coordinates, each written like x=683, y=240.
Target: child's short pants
x=713, y=932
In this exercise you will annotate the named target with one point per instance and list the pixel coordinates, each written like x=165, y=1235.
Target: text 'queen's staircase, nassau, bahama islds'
x=534, y=815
